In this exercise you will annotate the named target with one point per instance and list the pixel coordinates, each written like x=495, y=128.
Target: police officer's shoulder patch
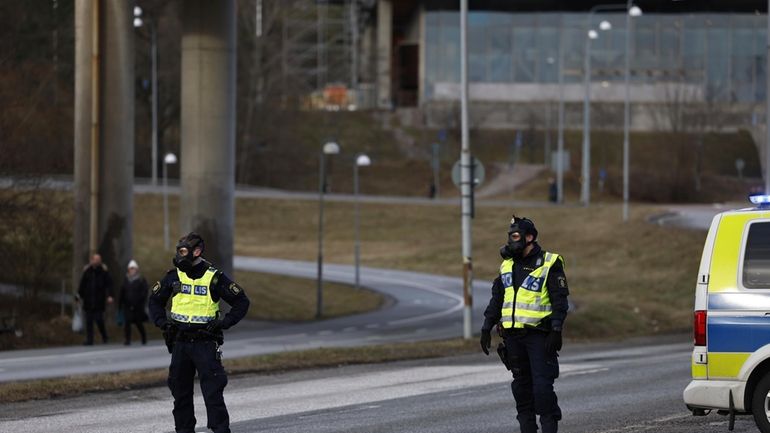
x=156, y=288
x=235, y=289
x=562, y=282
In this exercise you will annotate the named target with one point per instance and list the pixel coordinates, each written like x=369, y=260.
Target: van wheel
x=760, y=404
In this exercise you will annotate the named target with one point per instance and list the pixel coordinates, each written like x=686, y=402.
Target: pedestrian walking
x=94, y=292
x=132, y=301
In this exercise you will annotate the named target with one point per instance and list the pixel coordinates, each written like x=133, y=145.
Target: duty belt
x=190, y=336
x=522, y=331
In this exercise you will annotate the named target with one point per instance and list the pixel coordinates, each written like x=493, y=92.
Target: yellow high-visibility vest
x=529, y=304
x=193, y=303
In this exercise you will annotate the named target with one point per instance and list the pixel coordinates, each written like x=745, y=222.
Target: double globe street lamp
x=632, y=11
x=139, y=19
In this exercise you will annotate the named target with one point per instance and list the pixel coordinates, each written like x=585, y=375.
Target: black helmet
x=523, y=225
x=192, y=241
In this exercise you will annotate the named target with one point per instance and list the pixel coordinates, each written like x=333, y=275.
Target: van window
x=756, y=261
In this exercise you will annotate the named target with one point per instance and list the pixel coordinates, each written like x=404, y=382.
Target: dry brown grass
x=613, y=268
x=273, y=297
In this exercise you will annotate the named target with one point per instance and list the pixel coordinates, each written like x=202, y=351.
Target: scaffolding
x=319, y=51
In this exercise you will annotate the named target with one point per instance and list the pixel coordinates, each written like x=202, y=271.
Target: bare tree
x=690, y=112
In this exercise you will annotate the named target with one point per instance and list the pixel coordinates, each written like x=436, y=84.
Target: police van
x=731, y=355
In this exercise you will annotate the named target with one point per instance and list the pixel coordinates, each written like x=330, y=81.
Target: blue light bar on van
x=760, y=199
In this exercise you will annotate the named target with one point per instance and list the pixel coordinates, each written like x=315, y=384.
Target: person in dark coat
x=132, y=302
x=94, y=292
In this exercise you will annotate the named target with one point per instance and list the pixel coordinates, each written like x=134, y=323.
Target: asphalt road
x=143, y=186
x=697, y=217
x=602, y=389
x=420, y=307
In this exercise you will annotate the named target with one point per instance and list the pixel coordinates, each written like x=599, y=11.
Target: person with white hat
x=132, y=302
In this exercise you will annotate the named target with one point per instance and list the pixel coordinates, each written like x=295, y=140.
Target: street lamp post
x=330, y=148
x=170, y=158
x=585, y=190
x=466, y=181
x=362, y=160
x=632, y=11
x=767, y=107
x=138, y=22
x=560, y=139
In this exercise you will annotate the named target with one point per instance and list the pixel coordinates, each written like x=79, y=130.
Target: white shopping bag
x=77, y=320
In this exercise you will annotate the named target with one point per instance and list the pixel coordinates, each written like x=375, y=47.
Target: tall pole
x=767, y=108
x=95, y=96
x=547, y=149
x=321, y=188
x=465, y=174
x=154, y=84
x=165, y=206
x=560, y=139
x=357, y=225
x=354, y=46
x=627, y=111
x=585, y=190
x=436, y=167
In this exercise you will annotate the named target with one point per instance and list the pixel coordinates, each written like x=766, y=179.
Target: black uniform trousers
x=533, y=371
x=127, y=331
x=187, y=357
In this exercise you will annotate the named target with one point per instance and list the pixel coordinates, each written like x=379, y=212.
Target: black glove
x=215, y=326
x=169, y=334
x=486, y=341
x=553, y=342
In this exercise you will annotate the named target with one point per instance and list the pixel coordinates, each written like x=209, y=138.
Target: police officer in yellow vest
x=193, y=326
x=529, y=302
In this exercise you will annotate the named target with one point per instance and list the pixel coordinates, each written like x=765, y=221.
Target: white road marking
x=582, y=372
x=361, y=391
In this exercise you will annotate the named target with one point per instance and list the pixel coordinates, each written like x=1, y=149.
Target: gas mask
x=184, y=258
x=514, y=249
x=183, y=262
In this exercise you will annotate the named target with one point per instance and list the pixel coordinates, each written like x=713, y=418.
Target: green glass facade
x=724, y=54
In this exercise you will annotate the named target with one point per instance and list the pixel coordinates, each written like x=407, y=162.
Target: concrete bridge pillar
x=384, y=53
x=208, y=126
x=104, y=133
